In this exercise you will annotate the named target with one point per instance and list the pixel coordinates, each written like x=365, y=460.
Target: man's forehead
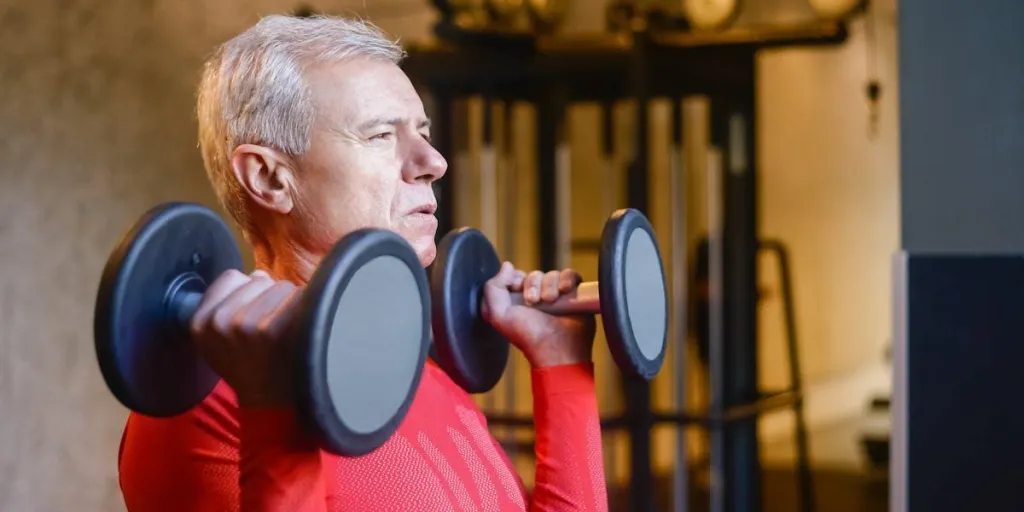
x=363, y=93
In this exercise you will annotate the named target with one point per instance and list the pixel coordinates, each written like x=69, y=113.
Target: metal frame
x=553, y=72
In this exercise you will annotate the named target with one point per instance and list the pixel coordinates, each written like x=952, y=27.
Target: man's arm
x=280, y=464
x=570, y=464
x=217, y=458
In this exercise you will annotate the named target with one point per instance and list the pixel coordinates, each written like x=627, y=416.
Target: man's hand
x=239, y=329
x=545, y=340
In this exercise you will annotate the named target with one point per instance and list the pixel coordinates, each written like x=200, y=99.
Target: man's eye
x=426, y=137
x=383, y=136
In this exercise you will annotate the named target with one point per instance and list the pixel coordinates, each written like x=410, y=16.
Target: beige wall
x=96, y=126
x=832, y=193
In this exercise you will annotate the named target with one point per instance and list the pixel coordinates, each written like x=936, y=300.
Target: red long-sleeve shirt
x=218, y=457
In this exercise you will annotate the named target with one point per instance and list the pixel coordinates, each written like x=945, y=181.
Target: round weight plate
x=366, y=330
x=634, y=297
x=472, y=353
x=146, y=357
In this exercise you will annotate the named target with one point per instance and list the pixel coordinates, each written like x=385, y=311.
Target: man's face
x=370, y=162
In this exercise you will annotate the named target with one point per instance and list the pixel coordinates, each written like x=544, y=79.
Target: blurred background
x=97, y=125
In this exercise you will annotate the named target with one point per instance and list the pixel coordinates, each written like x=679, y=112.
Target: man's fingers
x=277, y=322
x=549, y=286
x=219, y=290
x=532, y=286
x=225, y=317
x=503, y=279
x=568, y=280
x=259, y=315
x=518, y=280
x=496, y=292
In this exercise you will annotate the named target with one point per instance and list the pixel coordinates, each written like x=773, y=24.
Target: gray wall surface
x=96, y=126
x=962, y=191
x=962, y=125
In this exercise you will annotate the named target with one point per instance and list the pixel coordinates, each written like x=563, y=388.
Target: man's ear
x=266, y=176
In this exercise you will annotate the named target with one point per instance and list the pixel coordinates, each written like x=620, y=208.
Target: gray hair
x=253, y=90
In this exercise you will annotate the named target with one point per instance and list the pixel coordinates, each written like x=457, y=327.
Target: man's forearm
x=570, y=463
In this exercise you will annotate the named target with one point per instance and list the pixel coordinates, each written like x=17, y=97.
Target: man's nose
x=426, y=163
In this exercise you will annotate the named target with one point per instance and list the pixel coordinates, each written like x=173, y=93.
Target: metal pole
x=716, y=338
x=444, y=189
x=488, y=174
x=443, y=134
x=742, y=464
x=509, y=185
x=488, y=193
x=550, y=116
x=637, y=393
x=460, y=160
x=563, y=195
x=609, y=200
x=680, y=273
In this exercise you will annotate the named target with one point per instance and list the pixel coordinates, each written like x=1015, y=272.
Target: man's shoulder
x=437, y=384
x=215, y=416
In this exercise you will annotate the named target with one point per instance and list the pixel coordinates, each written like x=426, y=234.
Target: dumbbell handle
x=183, y=298
x=183, y=306
x=585, y=299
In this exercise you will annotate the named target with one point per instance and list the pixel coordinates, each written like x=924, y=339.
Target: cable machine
x=640, y=62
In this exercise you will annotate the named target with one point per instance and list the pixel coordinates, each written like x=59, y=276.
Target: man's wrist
x=541, y=361
x=556, y=353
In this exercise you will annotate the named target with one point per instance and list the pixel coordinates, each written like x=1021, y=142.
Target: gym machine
x=644, y=56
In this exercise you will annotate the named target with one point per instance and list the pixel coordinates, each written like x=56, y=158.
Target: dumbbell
x=361, y=328
x=630, y=296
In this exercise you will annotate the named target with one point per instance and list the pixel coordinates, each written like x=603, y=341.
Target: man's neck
x=290, y=262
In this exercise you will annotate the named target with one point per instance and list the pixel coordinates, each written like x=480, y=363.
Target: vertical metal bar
x=563, y=195
x=899, y=443
x=680, y=273
x=805, y=480
x=610, y=191
x=741, y=305
x=488, y=175
x=510, y=187
x=550, y=114
x=609, y=200
x=442, y=135
x=742, y=468
x=460, y=163
x=488, y=194
x=637, y=393
x=716, y=311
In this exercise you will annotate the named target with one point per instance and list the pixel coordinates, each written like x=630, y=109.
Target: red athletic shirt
x=218, y=457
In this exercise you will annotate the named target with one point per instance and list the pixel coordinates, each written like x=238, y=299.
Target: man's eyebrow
x=393, y=121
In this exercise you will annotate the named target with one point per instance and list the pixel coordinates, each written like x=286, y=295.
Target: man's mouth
x=426, y=209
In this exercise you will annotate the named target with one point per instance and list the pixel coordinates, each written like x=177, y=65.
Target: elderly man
x=310, y=130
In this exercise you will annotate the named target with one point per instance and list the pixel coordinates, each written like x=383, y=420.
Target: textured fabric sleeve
x=280, y=464
x=570, y=465
x=214, y=458
x=186, y=462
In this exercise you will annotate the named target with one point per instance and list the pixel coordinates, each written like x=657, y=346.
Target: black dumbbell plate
x=366, y=326
x=468, y=349
x=146, y=358
x=634, y=298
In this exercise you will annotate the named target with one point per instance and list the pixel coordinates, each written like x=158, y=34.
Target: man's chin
x=427, y=253
x=422, y=242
